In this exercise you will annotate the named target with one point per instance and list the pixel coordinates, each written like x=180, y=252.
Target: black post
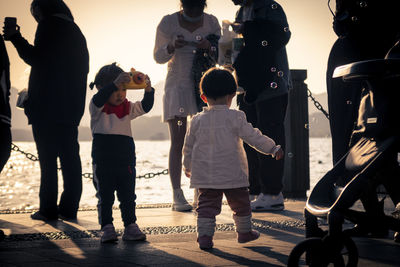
x=297, y=171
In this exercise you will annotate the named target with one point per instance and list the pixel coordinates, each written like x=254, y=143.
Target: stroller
x=370, y=162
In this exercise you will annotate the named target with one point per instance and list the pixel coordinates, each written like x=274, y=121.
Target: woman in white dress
x=178, y=36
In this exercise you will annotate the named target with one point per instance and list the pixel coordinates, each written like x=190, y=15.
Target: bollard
x=296, y=178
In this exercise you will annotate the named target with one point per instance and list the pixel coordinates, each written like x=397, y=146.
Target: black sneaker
x=65, y=218
x=39, y=216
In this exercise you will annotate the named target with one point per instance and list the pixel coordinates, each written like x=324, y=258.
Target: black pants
x=5, y=144
x=53, y=141
x=266, y=173
x=111, y=178
x=343, y=97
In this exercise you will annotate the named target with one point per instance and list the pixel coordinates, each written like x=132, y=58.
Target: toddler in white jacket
x=215, y=160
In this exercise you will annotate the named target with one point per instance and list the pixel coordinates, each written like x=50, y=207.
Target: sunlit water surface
x=20, y=178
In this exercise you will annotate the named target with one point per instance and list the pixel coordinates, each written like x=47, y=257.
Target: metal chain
x=88, y=175
x=317, y=104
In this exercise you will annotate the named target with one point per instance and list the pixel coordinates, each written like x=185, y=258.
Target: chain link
x=317, y=104
x=88, y=175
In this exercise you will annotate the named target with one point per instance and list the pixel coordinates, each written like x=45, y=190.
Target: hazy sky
x=123, y=31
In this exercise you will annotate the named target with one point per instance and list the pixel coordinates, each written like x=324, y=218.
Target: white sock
x=242, y=223
x=205, y=226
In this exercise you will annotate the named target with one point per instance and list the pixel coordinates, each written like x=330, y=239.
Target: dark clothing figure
x=366, y=30
x=56, y=100
x=5, y=111
x=263, y=72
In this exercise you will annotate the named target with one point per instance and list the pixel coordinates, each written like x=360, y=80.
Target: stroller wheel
x=313, y=252
x=305, y=253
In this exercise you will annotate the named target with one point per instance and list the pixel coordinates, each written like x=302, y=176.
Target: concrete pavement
x=171, y=241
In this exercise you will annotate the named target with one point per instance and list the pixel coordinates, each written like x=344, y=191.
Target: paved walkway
x=170, y=241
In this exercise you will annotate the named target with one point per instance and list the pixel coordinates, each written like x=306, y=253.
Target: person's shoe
x=65, y=218
x=109, y=234
x=247, y=237
x=39, y=216
x=180, y=203
x=396, y=215
x=205, y=242
x=396, y=237
x=252, y=197
x=268, y=203
x=133, y=233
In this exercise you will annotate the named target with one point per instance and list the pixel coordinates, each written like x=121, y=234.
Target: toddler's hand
x=188, y=173
x=279, y=154
x=122, y=78
x=148, y=83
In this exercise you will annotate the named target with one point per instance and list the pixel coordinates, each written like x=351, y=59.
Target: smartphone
x=10, y=22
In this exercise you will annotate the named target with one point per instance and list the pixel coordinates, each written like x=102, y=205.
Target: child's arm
x=256, y=139
x=148, y=98
x=105, y=92
x=141, y=107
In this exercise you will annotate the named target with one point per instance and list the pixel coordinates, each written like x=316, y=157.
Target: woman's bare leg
x=177, y=131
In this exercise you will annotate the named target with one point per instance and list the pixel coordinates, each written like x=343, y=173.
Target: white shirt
x=213, y=148
x=179, y=98
x=114, y=120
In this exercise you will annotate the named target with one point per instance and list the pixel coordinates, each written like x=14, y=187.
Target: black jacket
x=5, y=111
x=262, y=66
x=58, y=78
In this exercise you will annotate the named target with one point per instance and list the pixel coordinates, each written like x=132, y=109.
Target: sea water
x=20, y=178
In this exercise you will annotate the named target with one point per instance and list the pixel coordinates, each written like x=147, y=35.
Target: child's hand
x=148, y=83
x=279, y=154
x=122, y=78
x=188, y=173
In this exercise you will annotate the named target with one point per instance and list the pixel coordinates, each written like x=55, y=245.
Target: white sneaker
x=180, y=203
x=132, y=233
x=252, y=197
x=268, y=202
x=109, y=234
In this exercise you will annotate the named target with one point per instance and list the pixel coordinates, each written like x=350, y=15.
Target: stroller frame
x=374, y=151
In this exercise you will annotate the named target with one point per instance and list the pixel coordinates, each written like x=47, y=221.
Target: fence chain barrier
x=88, y=175
x=317, y=104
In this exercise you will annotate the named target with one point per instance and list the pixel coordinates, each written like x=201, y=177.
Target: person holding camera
x=59, y=61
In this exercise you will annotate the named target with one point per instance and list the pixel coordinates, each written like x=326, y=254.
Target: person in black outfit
x=5, y=111
x=366, y=30
x=56, y=100
x=263, y=72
